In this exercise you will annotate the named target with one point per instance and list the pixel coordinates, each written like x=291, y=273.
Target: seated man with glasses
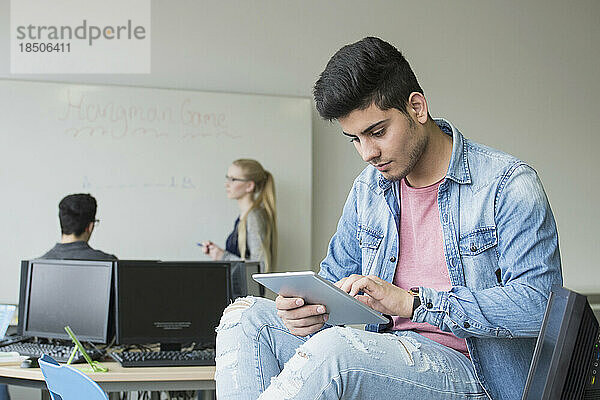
x=77, y=214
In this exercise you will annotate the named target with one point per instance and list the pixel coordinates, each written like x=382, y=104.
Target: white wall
x=158, y=194
x=520, y=76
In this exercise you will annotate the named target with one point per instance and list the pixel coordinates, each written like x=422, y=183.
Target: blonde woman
x=254, y=235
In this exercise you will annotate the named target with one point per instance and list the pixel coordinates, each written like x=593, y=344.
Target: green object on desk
x=95, y=365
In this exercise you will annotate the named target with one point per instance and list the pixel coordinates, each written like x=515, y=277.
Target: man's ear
x=90, y=227
x=417, y=106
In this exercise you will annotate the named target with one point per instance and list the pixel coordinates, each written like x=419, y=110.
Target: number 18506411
x=35, y=47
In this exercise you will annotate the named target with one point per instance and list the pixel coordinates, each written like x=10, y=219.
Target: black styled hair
x=370, y=71
x=75, y=212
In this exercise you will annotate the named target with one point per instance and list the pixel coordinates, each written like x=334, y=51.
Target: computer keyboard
x=58, y=352
x=13, y=339
x=164, y=358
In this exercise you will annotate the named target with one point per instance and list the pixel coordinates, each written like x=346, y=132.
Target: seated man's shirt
x=76, y=251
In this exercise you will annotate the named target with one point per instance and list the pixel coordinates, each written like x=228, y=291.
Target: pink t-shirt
x=421, y=259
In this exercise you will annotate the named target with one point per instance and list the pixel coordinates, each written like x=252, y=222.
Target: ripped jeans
x=257, y=357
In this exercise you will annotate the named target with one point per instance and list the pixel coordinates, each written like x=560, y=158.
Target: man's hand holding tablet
x=301, y=319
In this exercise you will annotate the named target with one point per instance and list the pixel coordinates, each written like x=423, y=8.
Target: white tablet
x=343, y=309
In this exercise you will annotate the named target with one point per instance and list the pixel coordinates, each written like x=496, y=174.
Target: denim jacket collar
x=458, y=170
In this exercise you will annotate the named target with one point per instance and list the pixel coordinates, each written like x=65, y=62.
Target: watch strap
x=416, y=299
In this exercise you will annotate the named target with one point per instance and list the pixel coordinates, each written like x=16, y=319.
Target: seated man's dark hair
x=75, y=212
x=370, y=71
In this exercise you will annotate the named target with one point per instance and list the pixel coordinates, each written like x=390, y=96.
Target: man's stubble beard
x=415, y=155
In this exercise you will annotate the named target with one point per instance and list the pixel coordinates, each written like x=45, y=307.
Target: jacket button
x=392, y=259
x=467, y=325
x=429, y=305
x=473, y=247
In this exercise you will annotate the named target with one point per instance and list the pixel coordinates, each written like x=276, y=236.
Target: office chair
x=67, y=383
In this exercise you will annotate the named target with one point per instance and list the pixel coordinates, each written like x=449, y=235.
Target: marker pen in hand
x=205, y=247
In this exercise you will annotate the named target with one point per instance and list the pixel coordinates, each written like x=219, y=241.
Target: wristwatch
x=416, y=299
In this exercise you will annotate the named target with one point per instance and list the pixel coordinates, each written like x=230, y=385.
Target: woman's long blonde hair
x=264, y=195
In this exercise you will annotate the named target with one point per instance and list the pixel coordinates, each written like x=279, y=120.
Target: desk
x=119, y=379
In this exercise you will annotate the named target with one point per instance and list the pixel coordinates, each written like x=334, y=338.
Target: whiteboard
x=155, y=160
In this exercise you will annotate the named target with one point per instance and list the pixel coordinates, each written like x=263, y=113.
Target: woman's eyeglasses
x=231, y=179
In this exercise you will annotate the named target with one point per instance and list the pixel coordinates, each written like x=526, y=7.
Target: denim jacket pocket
x=369, y=241
x=479, y=258
x=478, y=241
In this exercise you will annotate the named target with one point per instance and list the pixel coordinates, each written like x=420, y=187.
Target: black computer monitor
x=566, y=356
x=77, y=293
x=171, y=303
x=242, y=283
x=22, y=295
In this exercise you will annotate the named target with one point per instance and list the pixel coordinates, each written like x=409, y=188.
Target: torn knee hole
x=233, y=307
x=239, y=304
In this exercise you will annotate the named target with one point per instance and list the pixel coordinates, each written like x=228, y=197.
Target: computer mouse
x=30, y=363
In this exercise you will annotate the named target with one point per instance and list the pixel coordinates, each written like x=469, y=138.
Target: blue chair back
x=67, y=383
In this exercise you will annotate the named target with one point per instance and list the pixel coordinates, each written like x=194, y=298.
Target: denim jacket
x=500, y=247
